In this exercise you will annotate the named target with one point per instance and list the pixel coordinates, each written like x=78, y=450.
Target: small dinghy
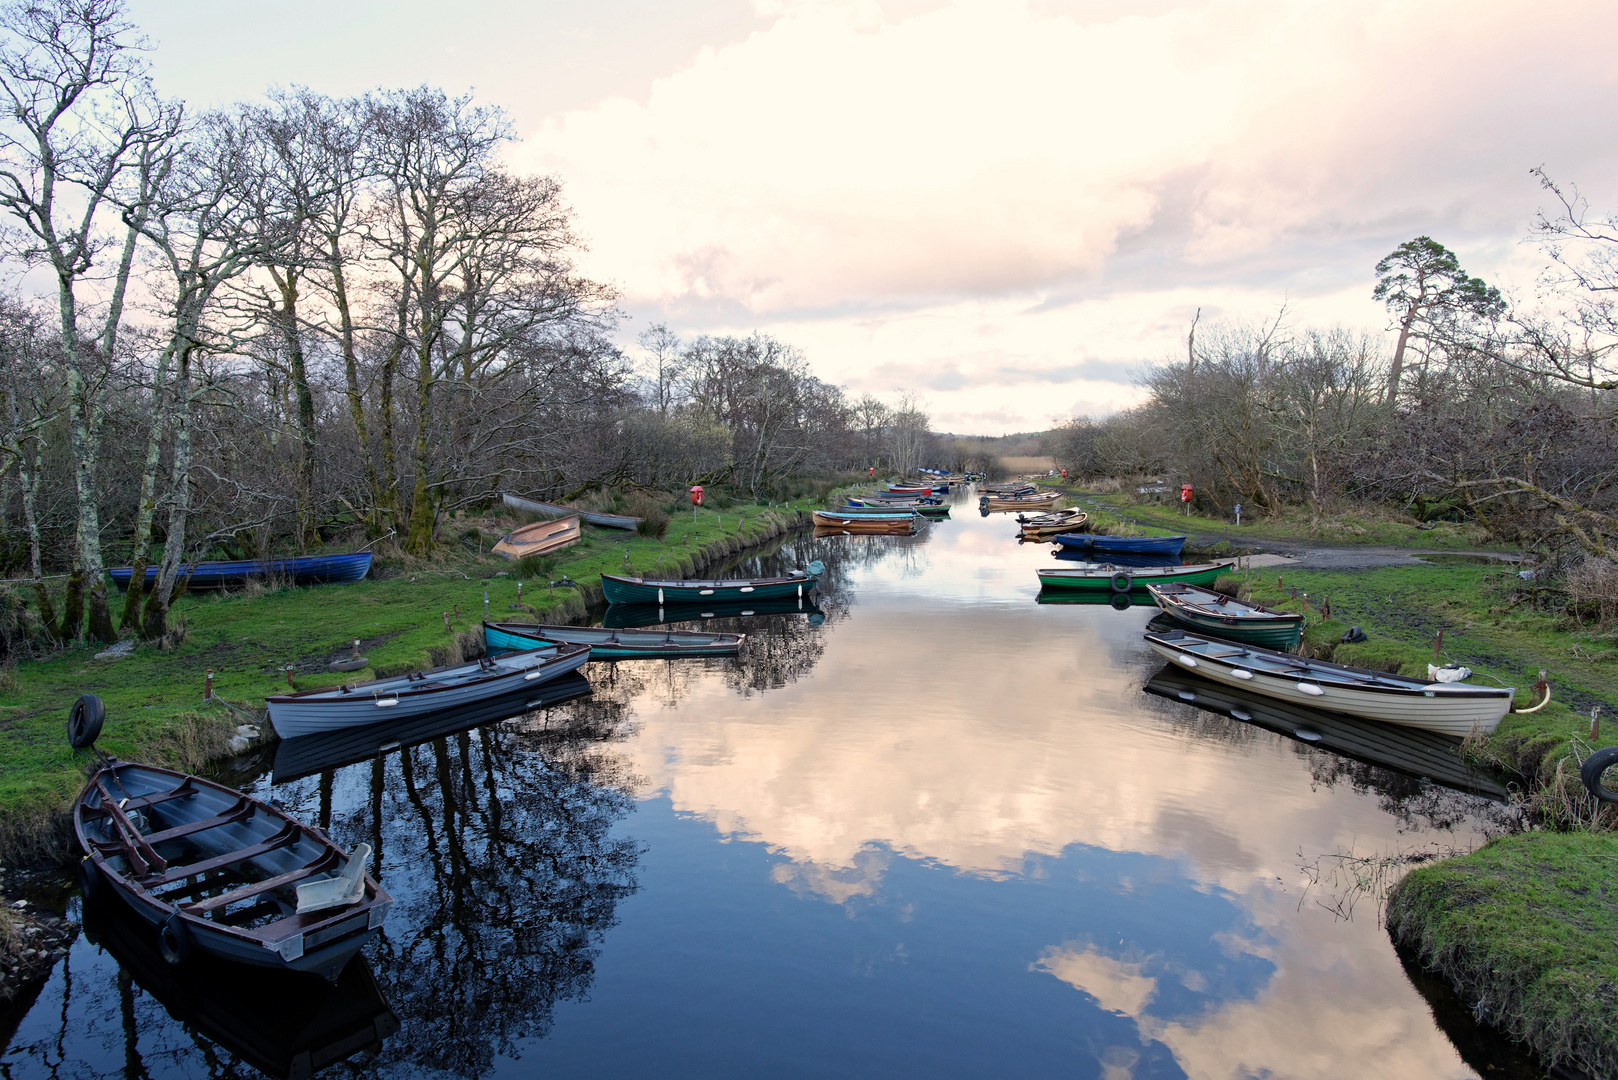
x=403, y=696
x=1226, y=617
x=1044, y=526
x=644, y=590
x=1453, y=708
x=897, y=524
x=1036, y=501
x=612, y=643
x=216, y=870
x=1104, y=578
x=541, y=538
x=931, y=508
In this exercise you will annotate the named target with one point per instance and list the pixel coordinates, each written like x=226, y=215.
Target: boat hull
x=398, y=699
x=628, y=590
x=887, y=524
x=1446, y=708
x=638, y=615
x=1102, y=579
x=302, y=570
x=1145, y=545
x=544, y=509
x=611, y=643
x=1244, y=623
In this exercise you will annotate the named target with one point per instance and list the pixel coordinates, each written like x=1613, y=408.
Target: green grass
x=1526, y=927
x=1359, y=526
x=154, y=698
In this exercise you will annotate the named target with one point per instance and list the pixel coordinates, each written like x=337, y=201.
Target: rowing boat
x=541, y=538
x=1223, y=616
x=636, y=615
x=891, y=524
x=1153, y=545
x=302, y=570
x=1455, y=709
x=551, y=510
x=1052, y=524
x=223, y=872
x=611, y=643
x=403, y=696
x=1104, y=578
x=619, y=589
x=1036, y=501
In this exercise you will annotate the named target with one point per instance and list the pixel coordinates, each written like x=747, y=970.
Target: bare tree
x=78, y=106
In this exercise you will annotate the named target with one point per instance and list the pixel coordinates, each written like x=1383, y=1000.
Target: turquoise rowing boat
x=611, y=643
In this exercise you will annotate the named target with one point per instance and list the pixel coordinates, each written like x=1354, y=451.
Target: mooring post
x=207, y=686
x=446, y=620
x=289, y=677
x=485, y=603
x=1438, y=644
x=1595, y=722
x=519, y=592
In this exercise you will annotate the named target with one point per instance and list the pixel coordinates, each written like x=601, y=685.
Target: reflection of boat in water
x=308, y=754
x=1411, y=750
x=282, y=1025
x=1116, y=558
x=632, y=615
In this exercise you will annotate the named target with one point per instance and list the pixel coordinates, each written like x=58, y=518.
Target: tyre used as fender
x=174, y=940
x=84, y=721
x=1121, y=582
x=1590, y=772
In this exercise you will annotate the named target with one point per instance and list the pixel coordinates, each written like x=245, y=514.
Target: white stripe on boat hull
x=1446, y=712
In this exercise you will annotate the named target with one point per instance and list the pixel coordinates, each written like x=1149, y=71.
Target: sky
x=1006, y=207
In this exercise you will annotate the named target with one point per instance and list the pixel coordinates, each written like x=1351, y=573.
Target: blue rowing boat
x=1153, y=545
x=302, y=570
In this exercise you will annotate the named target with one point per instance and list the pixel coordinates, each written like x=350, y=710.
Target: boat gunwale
x=714, y=639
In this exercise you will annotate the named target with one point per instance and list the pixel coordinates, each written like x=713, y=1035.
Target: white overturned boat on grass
x=1454, y=709
x=420, y=692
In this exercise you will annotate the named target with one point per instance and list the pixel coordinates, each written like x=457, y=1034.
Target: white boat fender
x=1188, y=661
x=1312, y=689
x=1241, y=673
x=1308, y=734
x=659, y=596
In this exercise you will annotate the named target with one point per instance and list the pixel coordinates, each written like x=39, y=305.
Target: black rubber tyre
x=1121, y=601
x=1590, y=772
x=84, y=721
x=1122, y=583
x=89, y=875
x=174, y=940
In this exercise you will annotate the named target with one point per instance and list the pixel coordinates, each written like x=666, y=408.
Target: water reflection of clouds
x=963, y=728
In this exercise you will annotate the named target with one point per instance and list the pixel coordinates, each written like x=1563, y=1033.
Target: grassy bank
x=409, y=614
x=1367, y=526
x=1524, y=928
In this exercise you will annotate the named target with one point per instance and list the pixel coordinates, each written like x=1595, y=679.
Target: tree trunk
x=154, y=622
x=287, y=318
x=420, y=540
x=147, y=508
x=356, y=400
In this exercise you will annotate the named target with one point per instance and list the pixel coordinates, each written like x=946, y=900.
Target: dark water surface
x=935, y=830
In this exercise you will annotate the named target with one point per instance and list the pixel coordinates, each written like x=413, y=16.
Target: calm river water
x=928, y=828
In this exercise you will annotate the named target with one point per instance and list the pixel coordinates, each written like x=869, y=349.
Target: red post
x=207, y=686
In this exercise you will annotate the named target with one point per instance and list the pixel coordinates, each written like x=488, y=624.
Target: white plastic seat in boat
x=344, y=889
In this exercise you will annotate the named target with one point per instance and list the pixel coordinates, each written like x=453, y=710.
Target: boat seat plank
x=286, y=836
x=320, y=865
x=242, y=810
x=1219, y=654
x=180, y=792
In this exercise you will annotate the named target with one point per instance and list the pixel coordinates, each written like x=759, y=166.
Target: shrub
x=653, y=523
